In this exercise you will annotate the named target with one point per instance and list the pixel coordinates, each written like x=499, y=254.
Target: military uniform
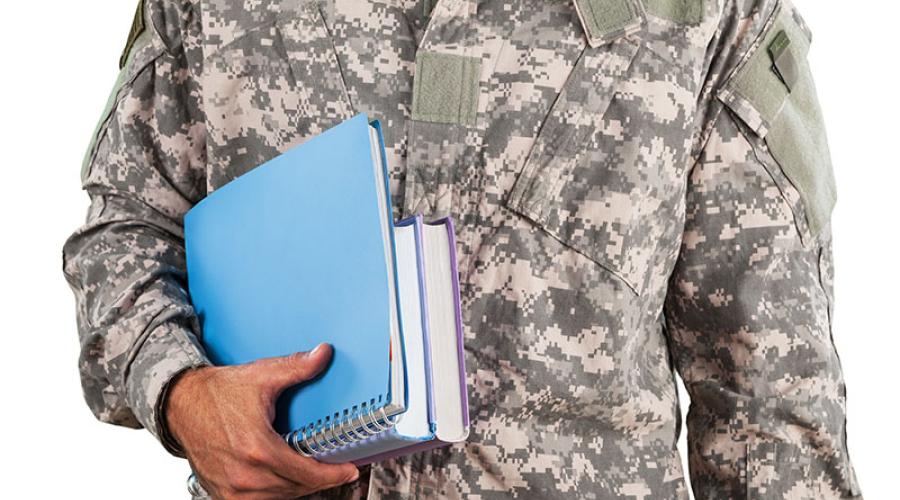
x=640, y=186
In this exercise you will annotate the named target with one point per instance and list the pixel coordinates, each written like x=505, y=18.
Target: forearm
x=136, y=324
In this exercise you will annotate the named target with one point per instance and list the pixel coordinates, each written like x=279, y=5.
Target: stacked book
x=303, y=250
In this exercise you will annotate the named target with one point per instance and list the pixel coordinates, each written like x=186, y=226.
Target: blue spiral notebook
x=300, y=251
x=278, y=259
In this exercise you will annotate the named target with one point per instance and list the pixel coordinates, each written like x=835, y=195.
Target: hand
x=222, y=417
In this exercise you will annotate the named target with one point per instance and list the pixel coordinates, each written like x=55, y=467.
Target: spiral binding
x=319, y=438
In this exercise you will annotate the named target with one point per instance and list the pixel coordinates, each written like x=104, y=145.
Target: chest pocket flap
x=575, y=186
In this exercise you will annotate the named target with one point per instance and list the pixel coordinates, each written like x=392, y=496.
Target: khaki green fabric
x=446, y=88
x=780, y=105
x=779, y=44
x=607, y=15
x=679, y=11
x=783, y=61
x=137, y=27
x=756, y=82
x=798, y=141
x=605, y=20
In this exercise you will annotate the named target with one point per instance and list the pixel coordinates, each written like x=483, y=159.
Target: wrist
x=177, y=400
x=169, y=350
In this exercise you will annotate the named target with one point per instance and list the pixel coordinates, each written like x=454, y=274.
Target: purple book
x=437, y=407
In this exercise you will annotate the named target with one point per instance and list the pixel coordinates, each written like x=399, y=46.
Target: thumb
x=277, y=374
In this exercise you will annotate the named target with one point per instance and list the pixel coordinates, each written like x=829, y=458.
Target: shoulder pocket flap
x=757, y=91
x=773, y=93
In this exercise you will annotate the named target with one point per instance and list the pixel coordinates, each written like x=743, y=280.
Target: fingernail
x=316, y=350
x=355, y=475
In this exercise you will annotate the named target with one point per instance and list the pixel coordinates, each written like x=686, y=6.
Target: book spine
x=451, y=235
x=328, y=436
x=423, y=307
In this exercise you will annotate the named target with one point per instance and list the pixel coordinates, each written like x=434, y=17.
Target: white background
x=59, y=59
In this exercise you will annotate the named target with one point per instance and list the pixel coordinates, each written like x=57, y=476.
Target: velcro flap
x=783, y=61
x=761, y=84
x=689, y=12
x=607, y=20
x=446, y=88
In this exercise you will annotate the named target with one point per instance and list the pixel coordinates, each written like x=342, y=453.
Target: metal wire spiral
x=311, y=441
x=195, y=488
x=322, y=438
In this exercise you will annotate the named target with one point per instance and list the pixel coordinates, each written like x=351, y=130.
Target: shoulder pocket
x=140, y=53
x=773, y=94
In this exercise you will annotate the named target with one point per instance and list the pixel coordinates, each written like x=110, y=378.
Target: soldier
x=640, y=187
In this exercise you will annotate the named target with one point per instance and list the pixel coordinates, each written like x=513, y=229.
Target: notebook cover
x=386, y=180
x=290, y=255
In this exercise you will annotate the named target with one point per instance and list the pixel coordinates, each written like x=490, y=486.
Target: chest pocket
x=773, y=93
x=271, y=86
x=605, y=175
x=579, y=183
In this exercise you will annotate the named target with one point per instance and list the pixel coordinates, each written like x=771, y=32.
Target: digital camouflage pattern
x=620, y=215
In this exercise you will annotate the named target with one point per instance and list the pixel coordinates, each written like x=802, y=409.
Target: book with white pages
x=303, y=250
x=438, y=410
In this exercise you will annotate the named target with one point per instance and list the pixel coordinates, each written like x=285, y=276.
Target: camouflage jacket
x=641, y=187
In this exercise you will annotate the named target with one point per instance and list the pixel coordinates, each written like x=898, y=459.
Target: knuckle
x=322, y=480
x=255, y=455
x=244, y=481
x=229, y=492
x=298, y=362
x=314, y=481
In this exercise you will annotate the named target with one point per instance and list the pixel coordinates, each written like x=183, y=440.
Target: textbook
x=303, y=250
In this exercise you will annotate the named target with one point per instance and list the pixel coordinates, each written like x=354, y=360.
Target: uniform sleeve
x=750, y=304
x=126, y=265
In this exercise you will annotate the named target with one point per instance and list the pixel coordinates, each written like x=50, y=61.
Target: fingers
x=250, y=460
x=307, y=471
x=257, y=484
x=314, y=475
x=273, y=470
x=277, y=374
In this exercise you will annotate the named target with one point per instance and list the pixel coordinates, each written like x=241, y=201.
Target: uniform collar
x=602, y=21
